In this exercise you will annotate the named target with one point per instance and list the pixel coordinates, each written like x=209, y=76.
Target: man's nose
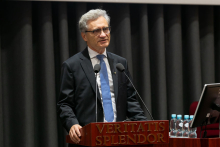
x=102, y=34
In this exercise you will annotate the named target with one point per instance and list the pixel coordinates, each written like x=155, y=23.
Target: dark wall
x=172, y=51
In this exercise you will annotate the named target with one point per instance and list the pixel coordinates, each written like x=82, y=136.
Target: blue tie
x=105, y=88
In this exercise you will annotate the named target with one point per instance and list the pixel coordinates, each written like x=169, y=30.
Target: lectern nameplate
x=124, y=133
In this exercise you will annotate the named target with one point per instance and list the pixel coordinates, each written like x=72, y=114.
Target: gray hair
x=92, y=15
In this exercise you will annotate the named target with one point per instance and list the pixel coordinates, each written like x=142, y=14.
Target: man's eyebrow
x=101, y=28
x=98, y=29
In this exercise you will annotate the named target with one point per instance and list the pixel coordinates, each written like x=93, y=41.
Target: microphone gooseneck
x=121, y=68
x=96, y=69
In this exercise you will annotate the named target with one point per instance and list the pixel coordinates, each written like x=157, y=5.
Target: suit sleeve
x=65, y=105
x=134, y=110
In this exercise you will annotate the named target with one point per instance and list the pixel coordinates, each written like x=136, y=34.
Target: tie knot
x=100, y=57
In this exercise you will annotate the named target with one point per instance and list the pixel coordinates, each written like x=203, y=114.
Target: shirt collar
x=93, y=54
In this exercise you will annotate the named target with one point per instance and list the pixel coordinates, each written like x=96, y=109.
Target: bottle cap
x=179, y=116
x=191, y=116
x=186, y=116
x=173, y=115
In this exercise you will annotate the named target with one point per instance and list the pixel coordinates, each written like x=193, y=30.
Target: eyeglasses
x=97, y=32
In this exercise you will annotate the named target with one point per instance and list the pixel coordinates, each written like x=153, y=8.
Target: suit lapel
x=88, y=69
x=112, y=63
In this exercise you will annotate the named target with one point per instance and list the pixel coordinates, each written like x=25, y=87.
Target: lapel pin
x=115, y=72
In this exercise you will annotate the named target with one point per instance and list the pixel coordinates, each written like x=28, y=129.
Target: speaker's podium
x=129, y=133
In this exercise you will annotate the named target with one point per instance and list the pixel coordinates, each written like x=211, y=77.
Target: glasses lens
x=106, y=30
x=97, y=31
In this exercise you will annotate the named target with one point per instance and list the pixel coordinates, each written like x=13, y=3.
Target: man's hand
x=75, y=134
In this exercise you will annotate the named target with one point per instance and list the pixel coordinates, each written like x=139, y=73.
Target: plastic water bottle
x=173, y=125
x=186, y=126
x=179, y=126
x=192, y=131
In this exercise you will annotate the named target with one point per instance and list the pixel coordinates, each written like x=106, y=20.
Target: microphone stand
x=96, y=84
x=139, y=96
x=97, y=68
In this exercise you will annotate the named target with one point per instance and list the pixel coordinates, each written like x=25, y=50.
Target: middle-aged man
x=116, y=96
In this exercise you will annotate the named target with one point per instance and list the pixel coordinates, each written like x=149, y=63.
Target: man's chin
x=104, y=45
x=101, y=46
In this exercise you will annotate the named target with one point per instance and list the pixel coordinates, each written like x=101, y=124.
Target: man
x=116, y=96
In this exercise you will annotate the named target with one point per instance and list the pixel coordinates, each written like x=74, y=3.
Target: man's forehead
x=99, y=22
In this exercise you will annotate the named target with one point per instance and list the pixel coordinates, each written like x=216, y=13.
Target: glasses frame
x=102, y=29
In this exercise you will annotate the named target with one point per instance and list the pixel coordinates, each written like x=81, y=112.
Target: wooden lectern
x=124, y=133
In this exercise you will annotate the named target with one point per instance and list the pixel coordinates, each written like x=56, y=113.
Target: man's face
x=97, y=42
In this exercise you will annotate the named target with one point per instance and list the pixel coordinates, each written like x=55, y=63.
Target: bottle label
x=181, y=124
x=186, y=125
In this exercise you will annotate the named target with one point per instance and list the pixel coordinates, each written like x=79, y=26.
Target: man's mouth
x=103, y=40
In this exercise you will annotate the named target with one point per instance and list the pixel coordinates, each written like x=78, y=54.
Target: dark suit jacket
x=77, y=102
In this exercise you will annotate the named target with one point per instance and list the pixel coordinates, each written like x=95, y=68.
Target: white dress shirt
x=95, y=61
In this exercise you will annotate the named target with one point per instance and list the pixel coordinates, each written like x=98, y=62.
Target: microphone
x=96, y=69
x=121, y=68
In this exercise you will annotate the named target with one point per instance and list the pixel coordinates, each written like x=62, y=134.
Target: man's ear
x=84, y=36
